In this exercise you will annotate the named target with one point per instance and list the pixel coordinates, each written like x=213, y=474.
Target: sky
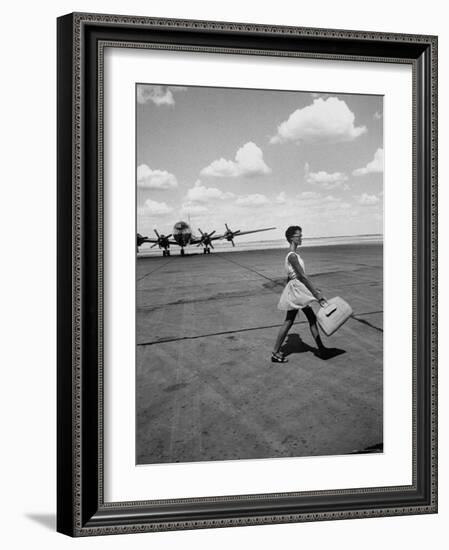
x=259, y=158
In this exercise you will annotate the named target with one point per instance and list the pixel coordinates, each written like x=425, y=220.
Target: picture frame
x=81, y=507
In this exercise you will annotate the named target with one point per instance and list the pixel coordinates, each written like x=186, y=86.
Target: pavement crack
x=367, y=323
x=222, y=333
x=195, y=337
x=154, y=270
x=276, y=282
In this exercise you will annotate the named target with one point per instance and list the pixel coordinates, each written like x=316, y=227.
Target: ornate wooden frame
x=81, y=507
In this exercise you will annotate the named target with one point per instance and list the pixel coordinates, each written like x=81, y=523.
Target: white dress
x=295, y=294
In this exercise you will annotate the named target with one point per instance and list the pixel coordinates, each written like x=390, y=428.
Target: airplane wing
x=147, y=240
x=253, y=231
x=238, y=233
x=195, y=240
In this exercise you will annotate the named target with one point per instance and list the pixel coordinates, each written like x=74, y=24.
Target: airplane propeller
x=162, y=240
x=229, y=234
x=140, y=239
x=205, y=239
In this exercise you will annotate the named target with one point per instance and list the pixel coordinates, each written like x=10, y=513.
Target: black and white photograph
x=259, y=273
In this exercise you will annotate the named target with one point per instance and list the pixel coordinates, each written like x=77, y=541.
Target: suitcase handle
x=330, y=312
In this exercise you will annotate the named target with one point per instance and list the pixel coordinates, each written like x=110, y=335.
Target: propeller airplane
x=183, y=236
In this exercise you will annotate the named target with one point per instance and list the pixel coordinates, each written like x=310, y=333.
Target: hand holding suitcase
x=333, y=315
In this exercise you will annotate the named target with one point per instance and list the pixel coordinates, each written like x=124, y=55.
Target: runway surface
x=206, y=389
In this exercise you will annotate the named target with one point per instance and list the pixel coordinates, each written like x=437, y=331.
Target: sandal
x=278, y=358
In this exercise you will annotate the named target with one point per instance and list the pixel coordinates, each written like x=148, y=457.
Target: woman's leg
x=289, y=320
x=311, y=317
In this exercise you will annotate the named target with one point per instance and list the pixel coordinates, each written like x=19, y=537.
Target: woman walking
x=299, y=293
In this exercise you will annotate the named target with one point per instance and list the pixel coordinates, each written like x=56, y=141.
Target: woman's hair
x=291, y=231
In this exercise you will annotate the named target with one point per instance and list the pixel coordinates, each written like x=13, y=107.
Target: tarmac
x=206, y=388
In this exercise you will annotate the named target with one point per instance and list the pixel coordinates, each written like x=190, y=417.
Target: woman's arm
x=294, y=262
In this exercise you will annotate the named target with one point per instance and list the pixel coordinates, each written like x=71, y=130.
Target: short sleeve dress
x=295, y=294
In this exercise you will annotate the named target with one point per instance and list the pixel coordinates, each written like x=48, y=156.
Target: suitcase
x=333, y=315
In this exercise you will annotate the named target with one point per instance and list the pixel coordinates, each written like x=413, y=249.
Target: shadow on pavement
x=377, y=448
x=294, y=344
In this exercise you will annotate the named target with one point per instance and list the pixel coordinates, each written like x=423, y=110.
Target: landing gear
x=206, y=250
x=166, y=253
x=182, y=252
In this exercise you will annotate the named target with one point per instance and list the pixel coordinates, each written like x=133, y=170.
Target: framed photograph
x=247, y=279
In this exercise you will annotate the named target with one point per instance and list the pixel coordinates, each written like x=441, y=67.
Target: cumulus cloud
x=317, y=202
x=154, y=208
x=324, y=179
x=331, y=198
x=159, y=95
x=248, y=162
x=341, y=205
x=252, y=200
x=193, y=208
x=281, y=198
x=375, y=166
x=155, y=179
x=334, y=203
x=308, y=195
x=328, y=120
x=199, y=193
x=323, y=95
x=367, y=200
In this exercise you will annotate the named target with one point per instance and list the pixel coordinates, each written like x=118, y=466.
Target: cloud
x=331, y=198
x=248, y=162
x=202, y=194
x=310, y=201
x=155, y=179
x=194, y=208
x=324, y=179
x=375, y=166
x=323, y=95
x=367, y=200
x=159, y=95
x=334, y=203
x=153, y=208
x=308, y=195
x=252, y=200
x=328, y=120
x=341, y=205
x=281, y=198
x=377, y=115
